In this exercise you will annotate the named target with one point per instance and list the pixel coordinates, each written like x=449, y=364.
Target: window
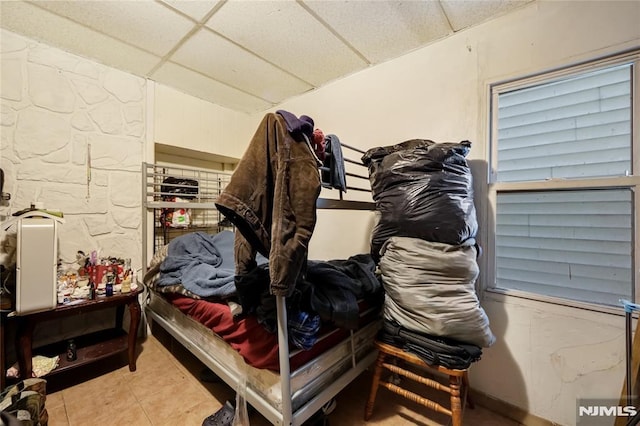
x=564, y=181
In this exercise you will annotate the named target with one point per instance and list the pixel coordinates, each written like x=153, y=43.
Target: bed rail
x=297, y=418
x=350, y=172
x=162, y=183
x=341, y=203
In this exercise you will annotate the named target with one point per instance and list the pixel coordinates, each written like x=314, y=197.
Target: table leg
x=119, y=316
x=134, y=313
x=3, y=354
x=24, y=335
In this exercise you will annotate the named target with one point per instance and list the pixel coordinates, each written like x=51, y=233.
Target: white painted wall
x=57, y=111
x=183, y=121
x=546, y=356
x=54, y=107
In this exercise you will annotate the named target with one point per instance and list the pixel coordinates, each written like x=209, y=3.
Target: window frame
x=631, y=181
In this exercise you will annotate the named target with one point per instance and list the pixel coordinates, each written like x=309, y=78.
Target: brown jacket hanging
x=271, y=199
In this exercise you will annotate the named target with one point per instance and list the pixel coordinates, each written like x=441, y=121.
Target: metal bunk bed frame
x=233, y=378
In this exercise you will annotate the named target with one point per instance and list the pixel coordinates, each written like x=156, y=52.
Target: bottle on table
x=92, y=290
x=72, y=353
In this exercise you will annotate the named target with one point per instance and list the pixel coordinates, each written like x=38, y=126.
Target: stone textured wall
x=64, y=120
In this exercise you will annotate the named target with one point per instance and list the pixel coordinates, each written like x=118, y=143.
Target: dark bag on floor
x=431, y=349
x=24, y=402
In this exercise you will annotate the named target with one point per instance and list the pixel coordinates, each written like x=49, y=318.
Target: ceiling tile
x=250, y=54
x=147, y=25
x=205, y=88
x=221, y=60
x=465, y=13
x=287, y=35
x=381, y=30
x=196, y=9
x=40, y=25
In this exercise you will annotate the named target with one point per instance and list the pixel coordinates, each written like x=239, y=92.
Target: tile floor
x=166, y=390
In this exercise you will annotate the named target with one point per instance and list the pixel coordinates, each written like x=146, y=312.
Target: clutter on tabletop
x=92, y=277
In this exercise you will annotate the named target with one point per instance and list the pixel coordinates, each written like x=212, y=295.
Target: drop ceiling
x=247, y=55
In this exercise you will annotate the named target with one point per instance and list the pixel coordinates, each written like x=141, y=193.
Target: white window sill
x=502, y=295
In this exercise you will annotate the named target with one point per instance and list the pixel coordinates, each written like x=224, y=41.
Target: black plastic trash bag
x=422, y=189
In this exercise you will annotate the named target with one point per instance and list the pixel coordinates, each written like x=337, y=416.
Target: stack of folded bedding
x=431, y=349
x=424, y=240
x=430, y=288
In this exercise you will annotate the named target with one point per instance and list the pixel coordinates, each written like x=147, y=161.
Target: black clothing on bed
x=338, y=284
x=431, y=349
x=331, y=289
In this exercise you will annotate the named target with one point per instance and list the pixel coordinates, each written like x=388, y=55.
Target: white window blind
x=570, y=244
x=564, y=215
x=572, y=128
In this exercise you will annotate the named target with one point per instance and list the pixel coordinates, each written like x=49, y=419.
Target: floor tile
x=132, y=415
x=166, y=390
x=57, y=415
x=170, y=401
x=54, y=400
x=193, y=415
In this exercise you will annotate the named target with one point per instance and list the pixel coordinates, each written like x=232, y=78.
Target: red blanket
x=258, y=347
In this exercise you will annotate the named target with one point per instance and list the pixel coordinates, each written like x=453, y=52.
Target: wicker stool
x=457, y=380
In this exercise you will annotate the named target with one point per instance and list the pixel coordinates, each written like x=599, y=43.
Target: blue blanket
x=203, y=263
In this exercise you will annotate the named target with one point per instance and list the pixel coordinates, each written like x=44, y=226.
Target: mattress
x=311, y=372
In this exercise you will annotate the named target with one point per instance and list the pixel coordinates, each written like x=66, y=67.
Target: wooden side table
x=91, y=347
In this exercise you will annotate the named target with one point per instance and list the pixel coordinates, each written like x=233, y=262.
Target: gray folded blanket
x=203, y=263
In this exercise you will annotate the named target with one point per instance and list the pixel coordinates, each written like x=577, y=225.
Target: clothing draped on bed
x=331, y=288
x=271, y=199
x=332, y=294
